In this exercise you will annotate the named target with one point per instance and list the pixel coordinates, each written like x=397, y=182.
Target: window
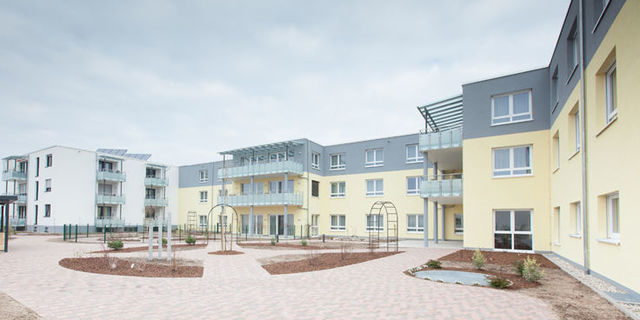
x=104, y=212
x=375, y=222
x=577, y=218
x=152, y=173
x=599, y=6
x=511, y=107
x=105, y=166
x=204, y=196
x=204, y=175
x=150, y=193
x=576, y=129
x=512, y=230
x=413, y=185
x=37, y=167
x=611, y=93
x=47, y=210
x=459, y=226
x=374, y=158
x=49, y=160
x=375, y=188
x=315, y=160
x=278, y=186
x=554, y=89
x=315, y=219
x=556, y=225
x=337, y=162
x=415, y=223
x=315, y=188
x=338, y=222
x=203, y=222
x=573, y=49
x=556, y=150
x=47, y=185
x=105, y=189
x=413, y=154
x=338, y=190
x=37, y=184
x=513, y=161
x=277, y=157
x=36, y=214
x=246, y=188
x=613, y=216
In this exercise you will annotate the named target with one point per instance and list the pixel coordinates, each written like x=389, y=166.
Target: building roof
x=123, y=153
x=442, y=115
x=261, y=148
x=15, y=157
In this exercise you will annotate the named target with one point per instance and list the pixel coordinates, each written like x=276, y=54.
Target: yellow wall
x=449, y=215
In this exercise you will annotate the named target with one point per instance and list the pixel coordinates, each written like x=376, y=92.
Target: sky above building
x=184, y=80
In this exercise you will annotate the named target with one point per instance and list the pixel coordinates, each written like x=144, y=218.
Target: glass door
x=314, y=225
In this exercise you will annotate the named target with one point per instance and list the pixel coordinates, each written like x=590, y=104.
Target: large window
x=511, y=107
x=415, y=223
x=512, y=230
x=338, y=222
x=203, y=196
x=613, y=216
x=611, y=93
x=413, y=185
x=315, y=160
x=374, y=158
x=375, y=188
x=513, y=161
x=413, y=154
x=338, y=189
x=315, y=188
x=459, y=225
x=204, y=175
x=375, y=222
x=337, y=162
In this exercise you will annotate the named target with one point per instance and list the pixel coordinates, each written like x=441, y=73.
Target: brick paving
x=236, y=287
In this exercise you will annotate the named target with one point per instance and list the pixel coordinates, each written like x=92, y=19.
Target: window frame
x=511, y=162
x=315, y=160
x=377, y=225
x=456, y=229
x=341, y=164
x=204, y=175
x=415, y=228
x=377, y=152
x=413, y=192
x=206, y=196
x=511, y=115
x=610, y=233
x=419, y=158
x=512, y=231
x=315, y=188
x=47, y=210
x=47, y=185
x=338, y=194
x=49, y=160
x=576, y=128
x=338, y=227
x=611, y=103
x=375, y=192
x=577, y=211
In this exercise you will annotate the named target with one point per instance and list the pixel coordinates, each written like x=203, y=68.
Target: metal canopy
x=15, y=158
x=7, y=199
x=442, y=115
x=262, y=148
x=123, y=153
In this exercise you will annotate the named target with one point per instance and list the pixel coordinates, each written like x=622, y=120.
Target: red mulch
x=226, y=253
x=324, y=261
x=499, y=258
x=177, y=247
x=102, y=265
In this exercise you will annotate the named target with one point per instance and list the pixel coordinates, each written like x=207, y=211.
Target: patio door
x=314, y=225
x=276, y=224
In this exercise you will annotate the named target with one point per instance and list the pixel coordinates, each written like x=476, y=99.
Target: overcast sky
x=184, y=80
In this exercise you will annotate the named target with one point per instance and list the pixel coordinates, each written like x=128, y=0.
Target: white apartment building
x=108, y=188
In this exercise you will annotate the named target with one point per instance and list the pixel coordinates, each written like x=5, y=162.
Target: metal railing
x=18, y=222
x=111, y=175
x=451, y=138
x=153, y=181
x=266, y=199
x=110, y=199
x=108, y=222
x=257, y=169
x=14, y=175
x=156, y=202
x=448, y=185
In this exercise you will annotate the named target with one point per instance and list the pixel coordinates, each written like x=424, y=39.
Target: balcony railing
x=451, y=138
x=22, y=198
x=17, y=222
x=14, y=175
x=108, y=222
x=112, y=176
x=258, y=169
x=109, y=199
x=155, y=202
x=156, y=182
x=269, y=199
x=441, y=188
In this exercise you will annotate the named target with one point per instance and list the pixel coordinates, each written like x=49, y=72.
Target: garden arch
x=224, y=232
x=391, y=216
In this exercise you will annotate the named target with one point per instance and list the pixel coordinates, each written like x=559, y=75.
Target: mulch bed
x=177, y=247
x=226, y=253
x=499, y=258
x=103, y=265
x=296, y=246
x=324, y=261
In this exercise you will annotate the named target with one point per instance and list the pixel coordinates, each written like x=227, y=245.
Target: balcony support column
x=284, y=189
x=442, y=221
x=435, y=207
x=425, y=215
x=253, y=189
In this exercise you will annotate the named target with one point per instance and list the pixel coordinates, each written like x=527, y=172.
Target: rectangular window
x=511, y=107
x=278, y=187
x=49, y=160
x=246, y=188
x=47, y=210
x=105, y=166
x=413, y=154
x=36, y=214
x=150, y=193
x=613, y=216
x=315, y=188
x=577, y=216
x=37, y=166
x=576, y=129
x=556, y=225
x=556, y=150
x=375, y=222
x=554, y=89
x=599, y=6
x=337, y=162
x=37, y=184
x=573, y=49
x=315, y=160
x=459, y=226
x=374, y=158
x=277, y=157
x=204, y=175
x=413, y=185
x=415, y=223
x=203, y=221
x=512, y=161
x=338, y=222
x=375, y=188
x=315, y=226
x=47, y=185
x=338, y=190
x=611, y=93
x=204, y=196
x=512, y=230
x=104, y=212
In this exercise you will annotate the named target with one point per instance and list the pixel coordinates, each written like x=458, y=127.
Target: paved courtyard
x=236, y=287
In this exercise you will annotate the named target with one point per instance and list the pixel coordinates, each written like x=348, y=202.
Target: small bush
x=478, y=259
x=273, y=242
x=499, y=282
x=304, y=243
x=519, y=265
x=190, y=240
x=115, y=245
x=531, y=270
x=435, y=264
x=164, y=241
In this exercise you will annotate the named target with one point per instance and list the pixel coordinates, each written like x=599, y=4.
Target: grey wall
x=190, y=175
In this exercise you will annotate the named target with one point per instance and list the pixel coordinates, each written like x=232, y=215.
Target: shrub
x=115, y=245
x=478, y=259
x=164, y=241
x=304, y=243
x=435, y=264
x=531, y=270
x=519, y=265
x=499, y=282
x=190, y=240
x=273, y=242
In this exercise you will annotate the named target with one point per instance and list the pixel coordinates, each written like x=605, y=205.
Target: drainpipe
x=585, y=194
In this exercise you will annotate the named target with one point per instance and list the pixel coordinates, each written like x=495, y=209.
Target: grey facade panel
x=477, y=103
x=189, y=176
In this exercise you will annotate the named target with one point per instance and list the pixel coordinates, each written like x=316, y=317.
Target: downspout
x=585, y=207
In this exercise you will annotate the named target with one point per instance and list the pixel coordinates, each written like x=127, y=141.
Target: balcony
x=443, y=147
x=156, y=182
x=18, y=222
x=108, y=222
x=261, y=169
x=22, y=198
x=109, y=199
x=269, y=199
x=111, y=176
x=14, y=175
x=155, y=202
x=444, y=191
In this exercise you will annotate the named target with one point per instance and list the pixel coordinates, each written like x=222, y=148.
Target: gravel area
x=12, y=309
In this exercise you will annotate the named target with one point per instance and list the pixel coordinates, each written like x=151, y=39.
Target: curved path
x=236, y=287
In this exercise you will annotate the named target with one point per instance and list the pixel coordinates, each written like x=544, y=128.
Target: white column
x=160, y=235
x=286, y=182
x=169, y=236
x=435, y=207
x=253, y=191
x=150, y=241
x=425, y=215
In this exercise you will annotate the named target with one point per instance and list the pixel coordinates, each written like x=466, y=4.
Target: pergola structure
x=442, y=115
x=4, y=221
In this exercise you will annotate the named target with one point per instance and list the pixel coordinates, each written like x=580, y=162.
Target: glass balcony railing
x=451, y=138
x=14, y=175
x=156, y=182
x=258, y=169
x=441, y=188
x=22, y=198
x=17, y=222
x=109, y=199
x=269, y=199
x=108, y=222
x=155, y=202
x=111, y=176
